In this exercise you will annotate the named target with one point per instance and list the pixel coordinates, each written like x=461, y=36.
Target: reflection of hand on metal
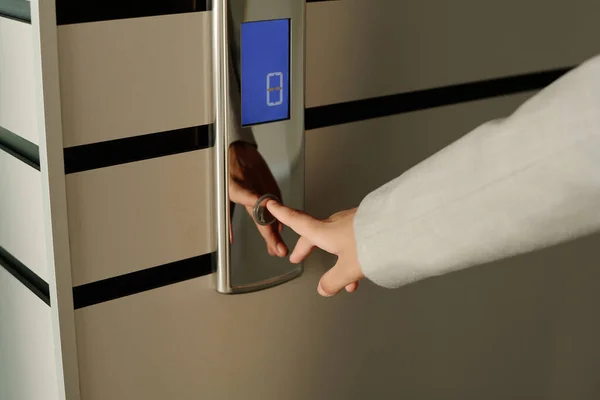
x=249, y=179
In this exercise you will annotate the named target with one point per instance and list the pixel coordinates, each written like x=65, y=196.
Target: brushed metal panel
x=365, y=48
x=139, y=215
x=244, y=265
x=519, y=328
x=129, y=77
x=498, y=332
x=346, y=162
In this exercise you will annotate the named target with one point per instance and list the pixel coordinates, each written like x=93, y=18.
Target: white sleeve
x=508, y=187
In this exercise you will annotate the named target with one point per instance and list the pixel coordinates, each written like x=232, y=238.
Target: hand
x=250, y=178
x=334, y=235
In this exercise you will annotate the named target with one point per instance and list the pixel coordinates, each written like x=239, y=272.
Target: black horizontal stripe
x=120, y=151
x=360, y=110
x=140, y=281
x=137, y=148
x=24, y=275
x=76, y=11
x=19, y=10
x=20, y=148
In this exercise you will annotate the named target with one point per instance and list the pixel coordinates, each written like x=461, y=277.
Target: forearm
x=236, y=133
x=508, y=187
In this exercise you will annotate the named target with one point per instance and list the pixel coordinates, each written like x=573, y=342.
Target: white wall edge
x=54, y=198
x=17, y=92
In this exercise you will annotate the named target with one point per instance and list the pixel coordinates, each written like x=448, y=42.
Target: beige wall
x=130, y=77
x=520, y=329
x=365, y=48
x=517, y=329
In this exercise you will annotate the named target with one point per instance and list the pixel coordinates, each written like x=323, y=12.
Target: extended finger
x=302, y=223
x=302, y=250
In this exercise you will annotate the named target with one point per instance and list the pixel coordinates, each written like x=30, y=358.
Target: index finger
x=302, y=223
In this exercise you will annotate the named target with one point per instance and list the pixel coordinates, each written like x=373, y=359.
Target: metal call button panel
x=258, y=76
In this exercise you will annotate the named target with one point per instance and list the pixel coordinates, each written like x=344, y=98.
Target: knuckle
x=295, y=213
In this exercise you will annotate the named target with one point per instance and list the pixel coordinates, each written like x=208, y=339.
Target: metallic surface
x=221, y=170
x=244, y=264
x=262, y=216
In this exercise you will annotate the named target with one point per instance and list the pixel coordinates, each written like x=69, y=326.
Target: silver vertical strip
x=243, y=267
x=221, y=129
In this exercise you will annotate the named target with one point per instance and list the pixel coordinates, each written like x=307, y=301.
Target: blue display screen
x=265, y=77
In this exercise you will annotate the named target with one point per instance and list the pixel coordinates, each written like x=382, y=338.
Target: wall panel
x=27, y=365
x=129, y=77
x=518, y=328
x=21, y=214
x=498, y=331
x=365, y=48
x=18, y=111
x=346, y=162
x=138, y=215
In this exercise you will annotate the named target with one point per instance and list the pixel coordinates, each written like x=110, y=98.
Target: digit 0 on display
x=265, y=71
x=274, y=89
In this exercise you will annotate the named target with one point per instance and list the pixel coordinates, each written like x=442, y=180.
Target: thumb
x=337, y=278
x=302, y=223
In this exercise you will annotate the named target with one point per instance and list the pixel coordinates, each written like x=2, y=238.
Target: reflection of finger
x=274, y=242
x=274, y=239
x=352, y=287
x=241, y=195
x=275, y=245
x=335, y=280
x=302, y=250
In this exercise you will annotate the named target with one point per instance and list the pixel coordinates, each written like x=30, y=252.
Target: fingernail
x=273, y=203
x=280, y=249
